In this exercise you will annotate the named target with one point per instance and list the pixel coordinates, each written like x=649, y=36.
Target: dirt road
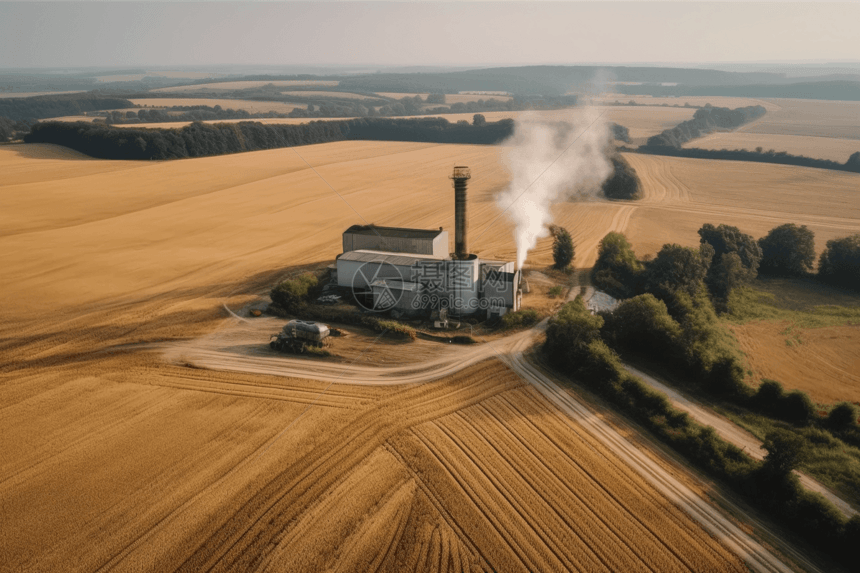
x=212, y=352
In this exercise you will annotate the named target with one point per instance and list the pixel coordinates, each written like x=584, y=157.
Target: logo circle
x=374, y=286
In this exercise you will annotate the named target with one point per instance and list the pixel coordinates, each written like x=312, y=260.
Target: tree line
x=759, y=155
x=40, y=107
x=705, y=120
x=202, y=139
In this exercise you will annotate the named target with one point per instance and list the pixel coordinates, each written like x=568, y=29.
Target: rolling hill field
x=150, y=464
x=114, y=458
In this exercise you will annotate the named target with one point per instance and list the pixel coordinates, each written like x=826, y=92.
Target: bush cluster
x=292, y=294
x=519, y=319
x=840, y=262
x=624, y=182
x=795, y=407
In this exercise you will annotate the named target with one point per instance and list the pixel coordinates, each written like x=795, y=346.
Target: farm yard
x=225, y=470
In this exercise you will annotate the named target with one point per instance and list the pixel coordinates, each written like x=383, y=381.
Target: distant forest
x=705, y=120
x=40, y=107
x=203, y=139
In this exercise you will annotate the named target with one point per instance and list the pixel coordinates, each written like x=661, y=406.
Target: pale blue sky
x=57, y=34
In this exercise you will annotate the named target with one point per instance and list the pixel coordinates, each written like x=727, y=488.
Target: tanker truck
x=297, y=335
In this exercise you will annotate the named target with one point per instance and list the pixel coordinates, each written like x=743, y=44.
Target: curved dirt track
x=510, y=351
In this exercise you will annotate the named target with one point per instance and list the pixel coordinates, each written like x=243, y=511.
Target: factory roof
x=397, y=284
x=399, y=259
x=400, y=232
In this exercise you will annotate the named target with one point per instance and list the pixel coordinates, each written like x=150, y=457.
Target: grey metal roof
x=401, y=232
x=399, y=259
x=397, y=284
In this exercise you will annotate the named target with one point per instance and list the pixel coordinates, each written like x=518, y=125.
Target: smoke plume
x=552, y=162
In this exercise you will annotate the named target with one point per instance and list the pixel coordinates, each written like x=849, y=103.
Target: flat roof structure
x=398, y=259
x=399, y=232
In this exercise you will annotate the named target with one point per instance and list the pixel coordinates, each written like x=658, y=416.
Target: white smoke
x=552, y=162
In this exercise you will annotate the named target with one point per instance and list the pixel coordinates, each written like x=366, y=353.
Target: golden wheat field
x=833, y=148
x=118, y=459
x=682, y=194
x=837, y=119
x=114, y=458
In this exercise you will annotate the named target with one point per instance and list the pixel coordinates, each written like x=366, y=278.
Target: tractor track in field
x=509, y=351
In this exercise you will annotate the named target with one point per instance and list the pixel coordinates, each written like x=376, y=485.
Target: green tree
x=787, y=250
x=617, y=270
x=479, y=120
x=563, y=250
x=768, y=396
x=842, y=417
x=785, y=451
x=724, y=276
x=728, y=273
x=840, y=262
x=435, y=98
x=624, y=182
x=797, y=407
x=677, y=268
x=642, y=324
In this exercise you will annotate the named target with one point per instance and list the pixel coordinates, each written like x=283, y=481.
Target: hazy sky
x=56, y=34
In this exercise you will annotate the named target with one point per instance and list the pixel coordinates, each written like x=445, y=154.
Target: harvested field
x=682, y=194
x=146, y=465
x=831, y=148
x=811, y=118
x=247, y=105
x=824, y=362
x=244, y=85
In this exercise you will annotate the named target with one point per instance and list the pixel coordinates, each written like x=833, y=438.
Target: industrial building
x=410, y=271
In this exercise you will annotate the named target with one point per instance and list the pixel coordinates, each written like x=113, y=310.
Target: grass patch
x=555, y=291
x=519, y=319
x=830, y=460
x=803, y=302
